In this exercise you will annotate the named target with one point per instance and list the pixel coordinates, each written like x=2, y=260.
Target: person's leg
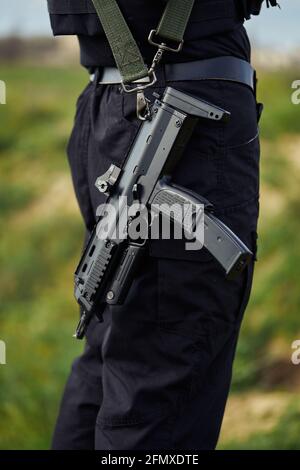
x=168, y=352
x=89, y=155
x=75, y=425
x=167, y=358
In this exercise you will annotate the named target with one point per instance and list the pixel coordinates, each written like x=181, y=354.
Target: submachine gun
x=108, y=264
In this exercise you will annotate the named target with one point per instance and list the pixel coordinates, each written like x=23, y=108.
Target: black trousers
x=156, y=373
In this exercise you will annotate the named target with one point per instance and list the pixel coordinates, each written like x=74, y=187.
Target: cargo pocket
x=194, y=293
x=199, y=315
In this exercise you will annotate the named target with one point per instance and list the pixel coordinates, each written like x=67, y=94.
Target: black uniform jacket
x=215, y=28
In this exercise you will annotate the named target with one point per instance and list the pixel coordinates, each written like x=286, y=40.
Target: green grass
x=41, y=237
x=284, y=435
x=279, y=116
x=38, y=252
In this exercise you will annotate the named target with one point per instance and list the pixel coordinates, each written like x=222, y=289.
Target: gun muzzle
x=81, y=327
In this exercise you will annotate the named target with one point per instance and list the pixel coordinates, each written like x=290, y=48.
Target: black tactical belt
x=220, y=68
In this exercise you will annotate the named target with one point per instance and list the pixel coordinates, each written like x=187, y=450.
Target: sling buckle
x=128, y=88
x=142, y=103
x=163, y=45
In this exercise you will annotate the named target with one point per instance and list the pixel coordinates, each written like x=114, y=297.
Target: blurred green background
x=36, y=266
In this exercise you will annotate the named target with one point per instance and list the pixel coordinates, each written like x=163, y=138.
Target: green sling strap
x=175, y=18
x=125, y=50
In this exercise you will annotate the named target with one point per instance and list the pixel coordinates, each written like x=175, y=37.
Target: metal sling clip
x=142, y=103
x=162, y=45
x=143, y=110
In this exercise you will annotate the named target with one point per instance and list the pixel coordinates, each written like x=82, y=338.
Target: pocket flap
x=176, y=249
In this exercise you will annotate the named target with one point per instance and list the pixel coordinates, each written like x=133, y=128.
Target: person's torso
x=215, y=29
